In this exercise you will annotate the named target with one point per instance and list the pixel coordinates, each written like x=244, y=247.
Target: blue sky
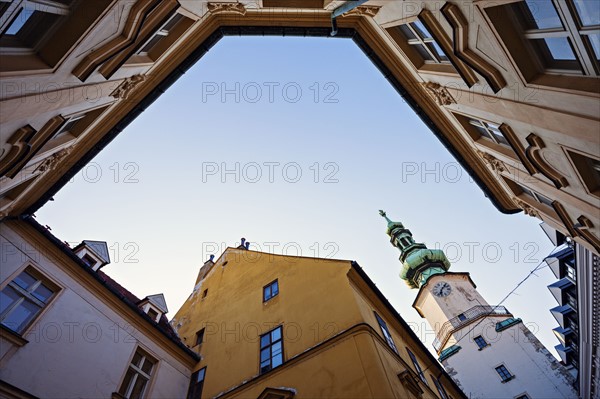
x=293, y=143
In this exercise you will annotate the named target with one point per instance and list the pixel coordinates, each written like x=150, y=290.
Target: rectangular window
x=270, y=290
x=489, y=130
x=162, y=33
x=504, y=374
x=542, y=199
x=153, y=314
x=138, y=375
x=386, y=332
x=196, y=384
x=480, y=341
x=462, y=317
x=24, y=298
x=417, y=366
x=417, y=35
x=563, y=37
x=440, y=387
x=199, y=337
x=88, y=260
x=271, y=350
x=571, y=273
x=70, y=124
x=25, y=24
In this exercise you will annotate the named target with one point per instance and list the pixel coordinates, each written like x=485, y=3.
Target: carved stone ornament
x=527, y=209
x=127, y=86
x=439, y=93
x=218, y=8
x=367, y=11
x=496, y=164
x=53, y=160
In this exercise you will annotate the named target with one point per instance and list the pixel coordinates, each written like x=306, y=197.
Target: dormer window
x=93, y=253
x=154, y=306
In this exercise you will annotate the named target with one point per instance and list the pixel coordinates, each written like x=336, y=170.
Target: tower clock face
x=442, y=289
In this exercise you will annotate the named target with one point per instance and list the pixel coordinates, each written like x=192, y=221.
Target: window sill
x=508, y=379
x=12, y=337
x=483, y=347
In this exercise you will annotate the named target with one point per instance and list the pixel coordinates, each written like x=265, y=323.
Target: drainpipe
x=344, y=8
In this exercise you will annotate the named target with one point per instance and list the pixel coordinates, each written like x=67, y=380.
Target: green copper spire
x=419, y=263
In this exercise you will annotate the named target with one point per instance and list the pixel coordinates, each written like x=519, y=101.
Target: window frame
x=573, y=30
x=11, y=44
x=440, y=388
x=417, y=366
x=266, y=369
x=425, y=43
x=504, y=376
x=160, y=34
x=137, y=370
x=200, y=336
x=270, y=287
x=386, y=333
x=421, y=64
x=479, y=340
x=25, y=294
x=193, y=391
x=504, y=17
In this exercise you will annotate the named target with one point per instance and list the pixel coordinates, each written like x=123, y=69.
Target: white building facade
x=67, y=330
x=484, y=348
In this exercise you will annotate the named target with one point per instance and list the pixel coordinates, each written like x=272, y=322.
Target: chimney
x=244, y=244
x=205, y=268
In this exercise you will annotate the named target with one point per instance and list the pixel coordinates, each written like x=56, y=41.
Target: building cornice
x=199, y=39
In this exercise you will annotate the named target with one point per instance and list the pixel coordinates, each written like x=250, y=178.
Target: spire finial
x=384, y=215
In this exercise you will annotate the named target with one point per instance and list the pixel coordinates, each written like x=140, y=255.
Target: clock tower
x=486, y=350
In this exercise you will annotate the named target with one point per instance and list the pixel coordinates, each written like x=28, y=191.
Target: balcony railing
x=465, y=318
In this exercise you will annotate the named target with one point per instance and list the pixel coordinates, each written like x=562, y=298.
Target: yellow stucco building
x=273, y=326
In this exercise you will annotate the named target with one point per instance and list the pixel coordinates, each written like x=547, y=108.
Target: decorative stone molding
x=25, y=143
x=53, y=160
x=435, y=27
x=219, y=8
x=144, y=19
x=496, y=164
x=534, y=154
x=127, y=86
x=580, y=229
x=460, y=27
x=527, y=209
x=364, y=11
x=439, y=93
x=531, y=157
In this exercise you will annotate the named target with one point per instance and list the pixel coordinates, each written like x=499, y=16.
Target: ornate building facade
x=487, y=351
x=510, y=87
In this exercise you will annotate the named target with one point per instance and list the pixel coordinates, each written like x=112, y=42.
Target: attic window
x=153, y=314
x=88, y=260
x=204, y=293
